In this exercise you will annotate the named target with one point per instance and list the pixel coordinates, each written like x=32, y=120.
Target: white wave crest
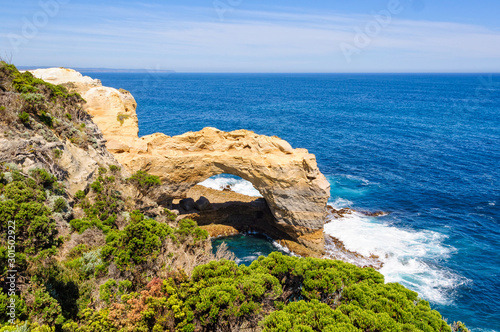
x=341, y=203
x=407, y=255
x=238, y=185
x=284, y=249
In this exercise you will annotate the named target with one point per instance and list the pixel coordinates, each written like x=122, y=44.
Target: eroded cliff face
x=79, y=143
x=289, y=179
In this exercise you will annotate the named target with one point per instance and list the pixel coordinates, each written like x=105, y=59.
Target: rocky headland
x=294, y=190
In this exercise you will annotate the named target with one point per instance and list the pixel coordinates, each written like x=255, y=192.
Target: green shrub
x=189, y=228
x=114, y=169
x=20, y=192
x=69, y=116
x=91, y=262
x=60, y=205
x=58, y=188
x=58, y=153
x=124, y=286
x=112, y=290
x=121, y=117
x=80, y=194
x=109, y=179
x=308, y=316
x=355, y=293
x=36, y=327
x=107, y=203
x=221, y=294
x=70, y=326
x=170, y=215
x=11, y=167
x=47, y=119
x=45, y=308
x=139, y=242
x=107, y=291
x=24, y=203
x=78, y=251
x=81, y=225
x=26, y=83
x=34, y=99
x=41, y=233
x=42, y=177
x=459, y=327
x=97, y=186
x=24, y=117
x=144, y=182
x=20, y=307
x=95, y=321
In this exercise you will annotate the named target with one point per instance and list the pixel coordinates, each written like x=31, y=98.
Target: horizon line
x=170, y=71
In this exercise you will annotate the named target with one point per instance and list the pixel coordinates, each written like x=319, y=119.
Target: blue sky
x=255, y=35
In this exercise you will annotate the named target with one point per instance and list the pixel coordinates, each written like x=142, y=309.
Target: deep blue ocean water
x=425, y=148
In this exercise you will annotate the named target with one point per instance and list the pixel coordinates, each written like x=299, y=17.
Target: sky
x=309, y=36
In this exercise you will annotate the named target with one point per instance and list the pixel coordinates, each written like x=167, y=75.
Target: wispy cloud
x=193, y=39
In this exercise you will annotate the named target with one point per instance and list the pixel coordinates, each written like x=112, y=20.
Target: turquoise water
x=247, y=247
x=424, y=147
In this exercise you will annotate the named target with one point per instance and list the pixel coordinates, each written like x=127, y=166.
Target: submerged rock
x=341, y=213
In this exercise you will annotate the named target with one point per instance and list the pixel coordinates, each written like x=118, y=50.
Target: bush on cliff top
x=26, y=209
x=140, y=241
x=26, y=83
x=277, y=293
x=44, y=109
x=144, y=182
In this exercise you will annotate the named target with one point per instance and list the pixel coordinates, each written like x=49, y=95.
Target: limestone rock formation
x=114, y=113
x=289, y=179
x=69, y=77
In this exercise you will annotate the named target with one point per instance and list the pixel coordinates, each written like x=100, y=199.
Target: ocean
x=423, y=147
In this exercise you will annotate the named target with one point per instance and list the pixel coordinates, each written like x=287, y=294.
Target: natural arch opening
x=229, y=182
x=226, y=204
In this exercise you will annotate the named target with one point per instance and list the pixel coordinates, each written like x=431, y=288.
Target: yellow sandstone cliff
x=288, y=179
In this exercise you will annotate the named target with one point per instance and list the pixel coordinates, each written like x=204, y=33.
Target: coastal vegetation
x=110, y=258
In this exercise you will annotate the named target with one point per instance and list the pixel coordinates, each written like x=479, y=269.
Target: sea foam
x=236, y=184
x=409, y=257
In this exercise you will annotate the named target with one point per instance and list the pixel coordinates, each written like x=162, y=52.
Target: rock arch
x=288, y=179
